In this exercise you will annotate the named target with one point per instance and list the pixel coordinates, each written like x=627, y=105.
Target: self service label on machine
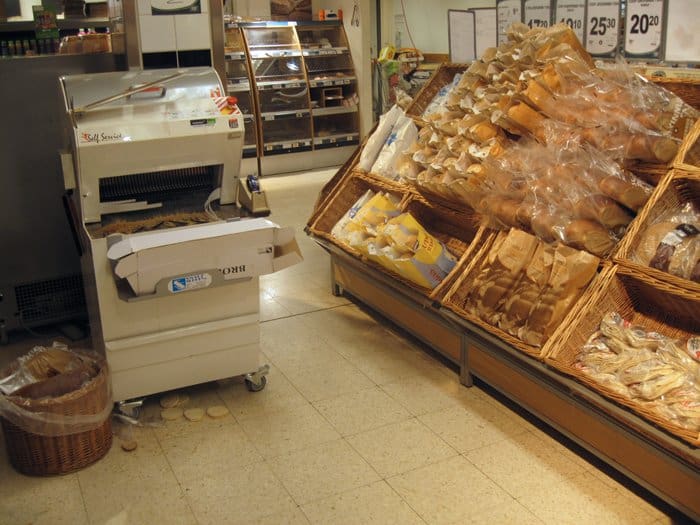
x=189, y=282
x=644, y=27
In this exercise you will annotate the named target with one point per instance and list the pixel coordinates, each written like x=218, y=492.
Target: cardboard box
x=196, y=257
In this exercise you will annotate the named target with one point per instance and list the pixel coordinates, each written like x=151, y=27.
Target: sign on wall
x=485, y=29
x=462, y=40
x=507, y=12
x=644, y=22
x=537, y=13
x=682, y=42
x=602, y=27
x=573, y=14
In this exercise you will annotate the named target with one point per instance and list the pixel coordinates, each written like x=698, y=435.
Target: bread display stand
x=664, y=464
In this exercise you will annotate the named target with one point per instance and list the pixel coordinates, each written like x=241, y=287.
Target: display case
x=238, y=85
x=281, y=89
x=332, y=84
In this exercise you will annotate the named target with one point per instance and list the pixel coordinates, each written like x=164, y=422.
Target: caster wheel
x=253, y=387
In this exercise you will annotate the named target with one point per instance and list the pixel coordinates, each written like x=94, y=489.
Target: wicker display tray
x=442, y=76
x=39, y=455
x=686, y=88
x=688, y=157
x=457, y=231
x=642, y=300
x=675, y=191
x=457, y=295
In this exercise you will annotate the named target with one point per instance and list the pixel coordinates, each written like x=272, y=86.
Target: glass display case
x=239, y=86
x=332, y=84
x=282, y=91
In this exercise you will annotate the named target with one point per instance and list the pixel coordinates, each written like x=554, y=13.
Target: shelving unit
x=296, y=85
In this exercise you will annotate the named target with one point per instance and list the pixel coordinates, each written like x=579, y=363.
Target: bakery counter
x=668, y=467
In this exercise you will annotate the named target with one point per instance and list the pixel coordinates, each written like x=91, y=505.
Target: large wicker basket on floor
x=40, y=455
x=443, y=76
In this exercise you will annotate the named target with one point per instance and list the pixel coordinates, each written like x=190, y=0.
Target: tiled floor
x=356, y=425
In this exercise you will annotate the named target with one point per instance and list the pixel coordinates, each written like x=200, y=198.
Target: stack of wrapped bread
x=534, y=136
x=662, y=374
x=525, y=286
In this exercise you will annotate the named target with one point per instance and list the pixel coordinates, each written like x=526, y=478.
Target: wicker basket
x=686, y=88
x=688, y=157
x=679, y=189
x=39, y=455
x=641, y=300
x=443, y=76
x=457, y=231
x=652, y=173
x=457, y=295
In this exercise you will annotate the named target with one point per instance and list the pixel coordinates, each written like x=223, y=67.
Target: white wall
x=427, y=22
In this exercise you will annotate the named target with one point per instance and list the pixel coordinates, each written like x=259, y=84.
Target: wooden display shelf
x=667, y=467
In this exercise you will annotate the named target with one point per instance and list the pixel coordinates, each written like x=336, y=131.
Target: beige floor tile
x=318, y=382
x=507, y=513
x=271, y=309
x=375, y=503
x=524, y=465
x=294, y=517
x=301, y=296
x=128, y=483
x=287, y=430
x=361, y=411
x=400, y=447
x=40, y=501
x=237, y=496
x=583, y=500
x=449, y=491
x=290, y=344
x=322, y=470
x=278, y=394
x=475, y=426
x=423, y=394
x=196, y=454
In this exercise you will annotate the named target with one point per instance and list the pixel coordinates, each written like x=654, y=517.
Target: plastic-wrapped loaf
x=659, y=372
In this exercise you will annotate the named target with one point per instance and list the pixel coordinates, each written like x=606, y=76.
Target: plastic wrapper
x=440, y=99
x=526, y=287
x=35, y=385
x=340, y=226
x=659, y=372
x=403, y=134
x=672, y=243
x=378, y=138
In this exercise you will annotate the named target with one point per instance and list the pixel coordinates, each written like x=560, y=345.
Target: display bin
x=686, y=88
x=688, y=157
x=41, y=455
x=643, y=301
x=468, y=272
x=679, y=189
x=443, y=75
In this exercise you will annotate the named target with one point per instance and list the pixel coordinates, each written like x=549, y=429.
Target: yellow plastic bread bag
x=414, y=253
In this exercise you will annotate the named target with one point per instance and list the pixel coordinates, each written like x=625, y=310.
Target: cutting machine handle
x=148, y=93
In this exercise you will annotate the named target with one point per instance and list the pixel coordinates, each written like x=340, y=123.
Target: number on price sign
x=602, y=28
x=643, y=27
x=537, y=13
x=572, y=14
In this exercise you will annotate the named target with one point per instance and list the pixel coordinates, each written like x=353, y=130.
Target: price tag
x=602, y=27
x=269, y=117
x=346, y=82
x=507, y=12
x=644, y=27
x=572, y=14
x=538, y=13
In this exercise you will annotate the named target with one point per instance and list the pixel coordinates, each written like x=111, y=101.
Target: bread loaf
x=629, y=194
x=587, y=235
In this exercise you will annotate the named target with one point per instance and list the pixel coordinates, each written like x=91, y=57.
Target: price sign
x=602, y=27
x=682, y=38
x=507, y=12
x=537, y=13
x=572, y=14
x=644, y=27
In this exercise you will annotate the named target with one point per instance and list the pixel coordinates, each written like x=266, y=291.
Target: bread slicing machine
x=171, y=279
